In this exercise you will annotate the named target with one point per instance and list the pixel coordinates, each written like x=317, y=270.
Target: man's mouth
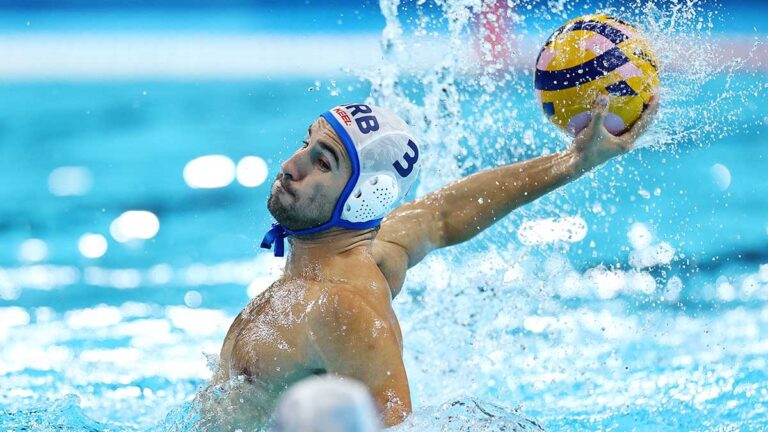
x=285, y=187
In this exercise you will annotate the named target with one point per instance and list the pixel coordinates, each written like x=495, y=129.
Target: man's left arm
x=459, y=211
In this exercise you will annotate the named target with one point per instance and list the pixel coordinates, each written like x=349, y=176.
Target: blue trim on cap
x=277, y=234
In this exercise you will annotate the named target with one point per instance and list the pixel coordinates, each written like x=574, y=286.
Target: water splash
x=468, y=414
x=460, y=73
x=463, y=71
x=556, y=325
x=63, y=414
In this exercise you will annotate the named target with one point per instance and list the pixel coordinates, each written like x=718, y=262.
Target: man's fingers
x=645, y=119
x=599, y=110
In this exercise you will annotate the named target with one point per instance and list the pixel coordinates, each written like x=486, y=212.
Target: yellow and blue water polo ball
x=590, y=55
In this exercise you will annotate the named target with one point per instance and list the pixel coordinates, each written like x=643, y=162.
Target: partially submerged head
x=357, y=162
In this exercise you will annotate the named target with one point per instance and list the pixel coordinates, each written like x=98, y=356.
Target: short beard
x=299, y=217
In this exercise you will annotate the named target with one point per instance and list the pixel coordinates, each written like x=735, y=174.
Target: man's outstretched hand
x=594, y=145
x=460, y=210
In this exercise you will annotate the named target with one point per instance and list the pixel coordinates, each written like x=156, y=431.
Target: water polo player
x=350, y=248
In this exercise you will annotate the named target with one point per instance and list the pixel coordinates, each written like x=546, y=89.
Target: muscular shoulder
x=350, y=315
x=355, y=337
x=343, y=307
x=349, y=330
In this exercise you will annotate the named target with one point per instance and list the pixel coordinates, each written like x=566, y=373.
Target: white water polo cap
x=385, y=164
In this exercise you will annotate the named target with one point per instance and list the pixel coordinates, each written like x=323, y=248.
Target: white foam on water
x=639, y=235
x=198, y=321
x=12, y=316
x=95, y=317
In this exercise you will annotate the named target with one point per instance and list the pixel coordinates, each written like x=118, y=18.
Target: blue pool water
x=653, y=317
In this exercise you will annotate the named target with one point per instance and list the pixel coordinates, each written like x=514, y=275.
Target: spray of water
x=460, y=72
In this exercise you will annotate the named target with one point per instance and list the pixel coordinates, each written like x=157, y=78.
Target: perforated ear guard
x=372, y=198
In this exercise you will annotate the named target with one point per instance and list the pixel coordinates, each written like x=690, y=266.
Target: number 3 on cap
x=410, y=160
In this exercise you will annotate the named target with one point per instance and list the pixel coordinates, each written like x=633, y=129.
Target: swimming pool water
x=571, y=334
x=633, y=299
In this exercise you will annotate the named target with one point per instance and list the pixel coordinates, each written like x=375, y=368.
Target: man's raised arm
x=457, y=212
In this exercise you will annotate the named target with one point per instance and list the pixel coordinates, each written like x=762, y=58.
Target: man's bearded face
x=310, y=182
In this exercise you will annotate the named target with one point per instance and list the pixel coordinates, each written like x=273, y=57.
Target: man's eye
x=324, y=165
x=305, y=144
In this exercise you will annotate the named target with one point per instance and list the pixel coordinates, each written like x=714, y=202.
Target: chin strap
x=275, y=236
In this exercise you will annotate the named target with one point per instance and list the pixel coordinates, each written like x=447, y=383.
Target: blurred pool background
x=138, y=140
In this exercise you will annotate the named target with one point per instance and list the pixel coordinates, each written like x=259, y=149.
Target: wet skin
x=331, y=311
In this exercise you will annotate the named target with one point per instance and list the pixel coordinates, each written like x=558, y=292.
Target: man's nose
x=294, y=168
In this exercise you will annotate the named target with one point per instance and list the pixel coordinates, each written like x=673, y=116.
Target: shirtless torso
x=331, y=310
x=301, y=324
